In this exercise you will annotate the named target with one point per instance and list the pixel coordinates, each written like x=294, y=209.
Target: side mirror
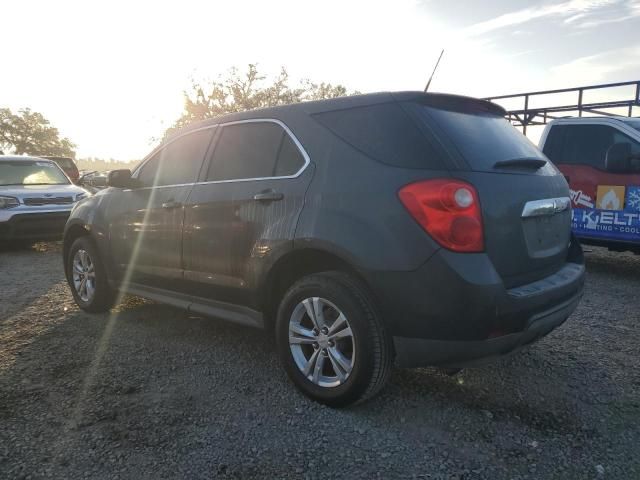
x=618, y=159
x=121, y=179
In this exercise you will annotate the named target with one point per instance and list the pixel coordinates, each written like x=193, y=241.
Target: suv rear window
x=482, y=137
x=383, y=132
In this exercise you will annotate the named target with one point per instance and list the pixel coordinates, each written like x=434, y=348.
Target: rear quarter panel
x=352, y=209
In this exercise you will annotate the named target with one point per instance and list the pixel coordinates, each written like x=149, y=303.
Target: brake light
x=448, y=210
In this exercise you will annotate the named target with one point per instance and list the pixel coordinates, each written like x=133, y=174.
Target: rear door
x=606, y=205
x=146, y=223
x=244, y=211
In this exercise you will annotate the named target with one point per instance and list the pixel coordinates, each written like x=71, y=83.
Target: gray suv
x=408, y=228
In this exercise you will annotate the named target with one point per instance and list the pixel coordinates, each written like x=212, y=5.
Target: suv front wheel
x=87, y=277
x=331, y=340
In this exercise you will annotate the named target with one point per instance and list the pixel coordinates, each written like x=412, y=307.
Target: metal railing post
x=525, y=116
x=580, y=92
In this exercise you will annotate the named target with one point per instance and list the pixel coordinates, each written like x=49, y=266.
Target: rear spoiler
x=458, y=103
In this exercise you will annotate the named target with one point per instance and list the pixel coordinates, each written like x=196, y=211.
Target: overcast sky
x=110, y=76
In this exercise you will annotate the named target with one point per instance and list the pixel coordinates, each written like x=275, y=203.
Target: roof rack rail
x=523, y=117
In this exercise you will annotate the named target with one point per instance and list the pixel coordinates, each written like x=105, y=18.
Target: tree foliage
x=30, y=133
x=240, y=91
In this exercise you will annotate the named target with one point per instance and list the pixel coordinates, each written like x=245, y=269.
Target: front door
x=146, y=222
x=245, y=211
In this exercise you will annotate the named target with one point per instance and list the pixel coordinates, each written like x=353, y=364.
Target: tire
x=367, y=351
x=98, y=297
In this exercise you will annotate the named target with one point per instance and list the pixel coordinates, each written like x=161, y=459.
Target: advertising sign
x=616, y=215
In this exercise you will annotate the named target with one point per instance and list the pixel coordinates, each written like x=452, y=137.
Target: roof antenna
x=426, y=89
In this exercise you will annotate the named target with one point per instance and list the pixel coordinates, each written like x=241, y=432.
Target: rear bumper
x=456, y=309
x=34, y=226
x=416, y=352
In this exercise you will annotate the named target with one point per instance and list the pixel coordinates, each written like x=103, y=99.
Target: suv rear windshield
x=26, y=172
x=402, y=134
x=482, y=138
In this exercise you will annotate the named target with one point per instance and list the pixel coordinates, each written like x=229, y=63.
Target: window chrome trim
x=301, y=149
x=548, y=206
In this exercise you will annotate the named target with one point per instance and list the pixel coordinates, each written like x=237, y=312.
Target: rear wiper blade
x=534, y=163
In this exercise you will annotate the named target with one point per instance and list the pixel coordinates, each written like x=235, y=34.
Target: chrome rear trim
x=547, y=206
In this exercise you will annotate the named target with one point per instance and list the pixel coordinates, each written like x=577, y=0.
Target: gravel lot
x=151, y=392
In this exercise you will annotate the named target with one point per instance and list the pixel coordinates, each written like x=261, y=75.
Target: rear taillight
x=449, y=211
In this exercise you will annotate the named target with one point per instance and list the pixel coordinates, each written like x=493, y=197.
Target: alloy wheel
x=84, y=275
x=321, y=342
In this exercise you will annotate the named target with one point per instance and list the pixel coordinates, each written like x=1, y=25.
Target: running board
x=210, y=308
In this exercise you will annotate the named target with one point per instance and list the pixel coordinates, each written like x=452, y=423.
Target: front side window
x=619, y=137
x=254, y=150
x=27, y=172
x=147, y=174
x=177, y=163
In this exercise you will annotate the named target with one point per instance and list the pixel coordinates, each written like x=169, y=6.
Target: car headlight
x=8, y=202
x=80, y=196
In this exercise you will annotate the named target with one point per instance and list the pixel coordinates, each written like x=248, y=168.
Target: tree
x=241, y=91
x=31, y=133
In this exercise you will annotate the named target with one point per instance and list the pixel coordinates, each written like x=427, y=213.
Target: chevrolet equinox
x=408, y=228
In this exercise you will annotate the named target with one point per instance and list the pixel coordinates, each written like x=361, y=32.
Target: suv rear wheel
x=331, y=341
x=87, y=277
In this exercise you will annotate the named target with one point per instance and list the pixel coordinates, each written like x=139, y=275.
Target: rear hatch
x=524, y=199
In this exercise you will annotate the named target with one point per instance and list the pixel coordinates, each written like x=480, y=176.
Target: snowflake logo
x=633, y=199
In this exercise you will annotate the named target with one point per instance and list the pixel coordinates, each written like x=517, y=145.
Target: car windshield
x=26, y=172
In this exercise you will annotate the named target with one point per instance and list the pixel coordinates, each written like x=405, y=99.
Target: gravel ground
x=151, y=392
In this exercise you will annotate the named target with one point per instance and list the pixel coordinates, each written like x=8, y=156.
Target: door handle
x=268, y=196
x=171, y=204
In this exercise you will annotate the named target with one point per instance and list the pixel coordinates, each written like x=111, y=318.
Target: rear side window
x=290, y=159
x=177, y=163
x=482, y=138
x=383, y=132
x=254, y=150
x=584, y=144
